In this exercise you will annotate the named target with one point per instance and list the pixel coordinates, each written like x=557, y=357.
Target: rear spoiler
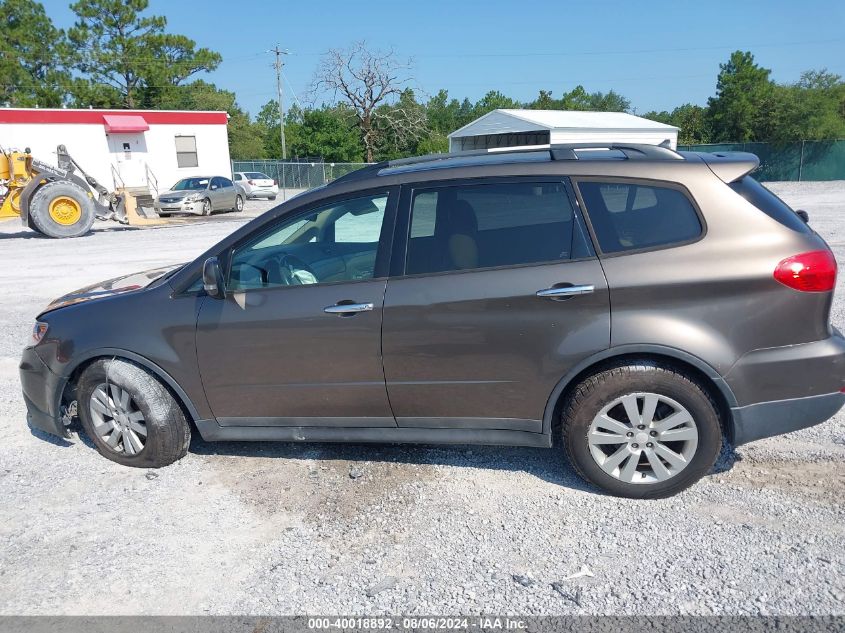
x=730, y=166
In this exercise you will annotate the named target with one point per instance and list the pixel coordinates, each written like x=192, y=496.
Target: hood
x=180, y=194
x=112, y=287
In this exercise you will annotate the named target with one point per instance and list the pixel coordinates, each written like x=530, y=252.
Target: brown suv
x=635, y=304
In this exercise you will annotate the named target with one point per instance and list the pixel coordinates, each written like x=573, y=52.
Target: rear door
x=499, y=295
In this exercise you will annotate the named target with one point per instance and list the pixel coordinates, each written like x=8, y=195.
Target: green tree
x=31, y=56
x=493, y=100
x=691, y=119
x=744, y=101
x=118, y=47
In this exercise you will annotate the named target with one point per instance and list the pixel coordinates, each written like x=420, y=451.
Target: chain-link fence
x=296, y=174
x=802, y=160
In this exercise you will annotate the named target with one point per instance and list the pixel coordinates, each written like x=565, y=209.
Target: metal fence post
x=801, y=161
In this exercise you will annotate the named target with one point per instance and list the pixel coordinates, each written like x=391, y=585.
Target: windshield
x=187, y=184
x=257, y=175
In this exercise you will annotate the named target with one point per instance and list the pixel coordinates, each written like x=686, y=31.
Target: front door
x=129, y=157
x=467, y=340
x=297, y=342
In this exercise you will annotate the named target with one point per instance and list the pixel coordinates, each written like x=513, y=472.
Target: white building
x=510, y=128
x=136, y=149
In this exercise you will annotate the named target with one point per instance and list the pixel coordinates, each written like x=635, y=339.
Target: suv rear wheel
x=130, y=415
x=641, y=430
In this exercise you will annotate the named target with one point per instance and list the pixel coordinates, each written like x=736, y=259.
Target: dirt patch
x=822, y=481
x=321, y=483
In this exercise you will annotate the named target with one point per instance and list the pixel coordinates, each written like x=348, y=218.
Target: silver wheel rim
x=206, y=207
x=239, y=204
x=117, y=420
x=643, y=438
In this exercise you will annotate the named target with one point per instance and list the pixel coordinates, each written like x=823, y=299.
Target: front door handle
x=348, y=308
x=566, y=291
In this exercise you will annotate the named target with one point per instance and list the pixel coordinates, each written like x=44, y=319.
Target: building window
x=186, y=151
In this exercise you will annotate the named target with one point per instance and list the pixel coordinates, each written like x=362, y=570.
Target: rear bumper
x=256, y=192
x=40, y=388
x=783, y=389
x=766, y=419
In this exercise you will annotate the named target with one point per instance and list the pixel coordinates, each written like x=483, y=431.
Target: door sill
x=210, y=430
x=493, y=424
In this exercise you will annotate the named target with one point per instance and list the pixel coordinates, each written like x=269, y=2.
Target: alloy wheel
x=643, y=438
x=118, y=421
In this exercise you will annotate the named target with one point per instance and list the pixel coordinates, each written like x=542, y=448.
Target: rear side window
x=629, y=216
x=466, y=227
x=769, y=203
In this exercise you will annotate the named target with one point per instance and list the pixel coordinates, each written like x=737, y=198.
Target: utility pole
x=278, y=66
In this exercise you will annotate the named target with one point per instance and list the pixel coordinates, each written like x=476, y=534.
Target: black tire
x=168, y=432
x=163, y=215
x=39, y=210
x=239, y=204
x=206, y=207
x=595, y=392
x=272, y=198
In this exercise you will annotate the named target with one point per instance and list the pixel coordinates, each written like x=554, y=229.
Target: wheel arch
x=87, y=359
x=699, y=369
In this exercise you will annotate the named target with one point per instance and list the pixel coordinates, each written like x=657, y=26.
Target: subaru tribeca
x=636, y=305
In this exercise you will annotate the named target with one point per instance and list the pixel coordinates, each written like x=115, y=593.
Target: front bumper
x=194, y=207
x=41, y=393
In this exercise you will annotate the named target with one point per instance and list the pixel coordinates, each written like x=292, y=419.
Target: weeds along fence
x=802, y=160
x=298, y=174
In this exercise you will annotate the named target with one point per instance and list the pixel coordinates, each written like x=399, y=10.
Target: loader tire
x=62, y=209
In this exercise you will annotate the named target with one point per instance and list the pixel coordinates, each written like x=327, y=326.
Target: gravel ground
x=239, y=528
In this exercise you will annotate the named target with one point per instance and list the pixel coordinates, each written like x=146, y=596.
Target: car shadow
x=548, y=465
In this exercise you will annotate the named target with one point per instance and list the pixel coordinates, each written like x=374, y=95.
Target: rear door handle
x=348, y=308
x=566, y=291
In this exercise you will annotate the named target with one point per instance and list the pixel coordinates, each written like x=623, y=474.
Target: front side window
x=186, y=151
x=338, y=242
x=480, y=226
x=629, y=216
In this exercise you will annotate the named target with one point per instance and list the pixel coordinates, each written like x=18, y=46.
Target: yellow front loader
x=58, y=201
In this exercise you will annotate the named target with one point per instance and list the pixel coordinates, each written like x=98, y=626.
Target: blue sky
x=657, y=53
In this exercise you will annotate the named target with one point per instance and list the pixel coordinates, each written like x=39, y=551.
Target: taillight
x=808, y=272
x=274, y=182
x=252, y=182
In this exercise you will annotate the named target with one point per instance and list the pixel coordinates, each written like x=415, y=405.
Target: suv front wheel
x=641, y=430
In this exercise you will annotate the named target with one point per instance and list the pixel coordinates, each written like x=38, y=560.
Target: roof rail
x=363, y=172
x=556, y=151
x=566, y=151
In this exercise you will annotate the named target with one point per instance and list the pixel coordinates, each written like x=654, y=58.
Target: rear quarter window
x=769, y=203
x=631, y=216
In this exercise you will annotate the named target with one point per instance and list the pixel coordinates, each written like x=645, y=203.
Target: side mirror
x=212, y=279
x=213, y=187
x=803, y=215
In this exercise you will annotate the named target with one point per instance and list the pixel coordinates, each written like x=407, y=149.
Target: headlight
x=192, y=198
x=39, y=331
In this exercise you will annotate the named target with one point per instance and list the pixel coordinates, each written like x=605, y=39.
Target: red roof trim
x=95, y=117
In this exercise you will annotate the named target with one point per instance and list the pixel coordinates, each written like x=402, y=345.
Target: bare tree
x=368, y=80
